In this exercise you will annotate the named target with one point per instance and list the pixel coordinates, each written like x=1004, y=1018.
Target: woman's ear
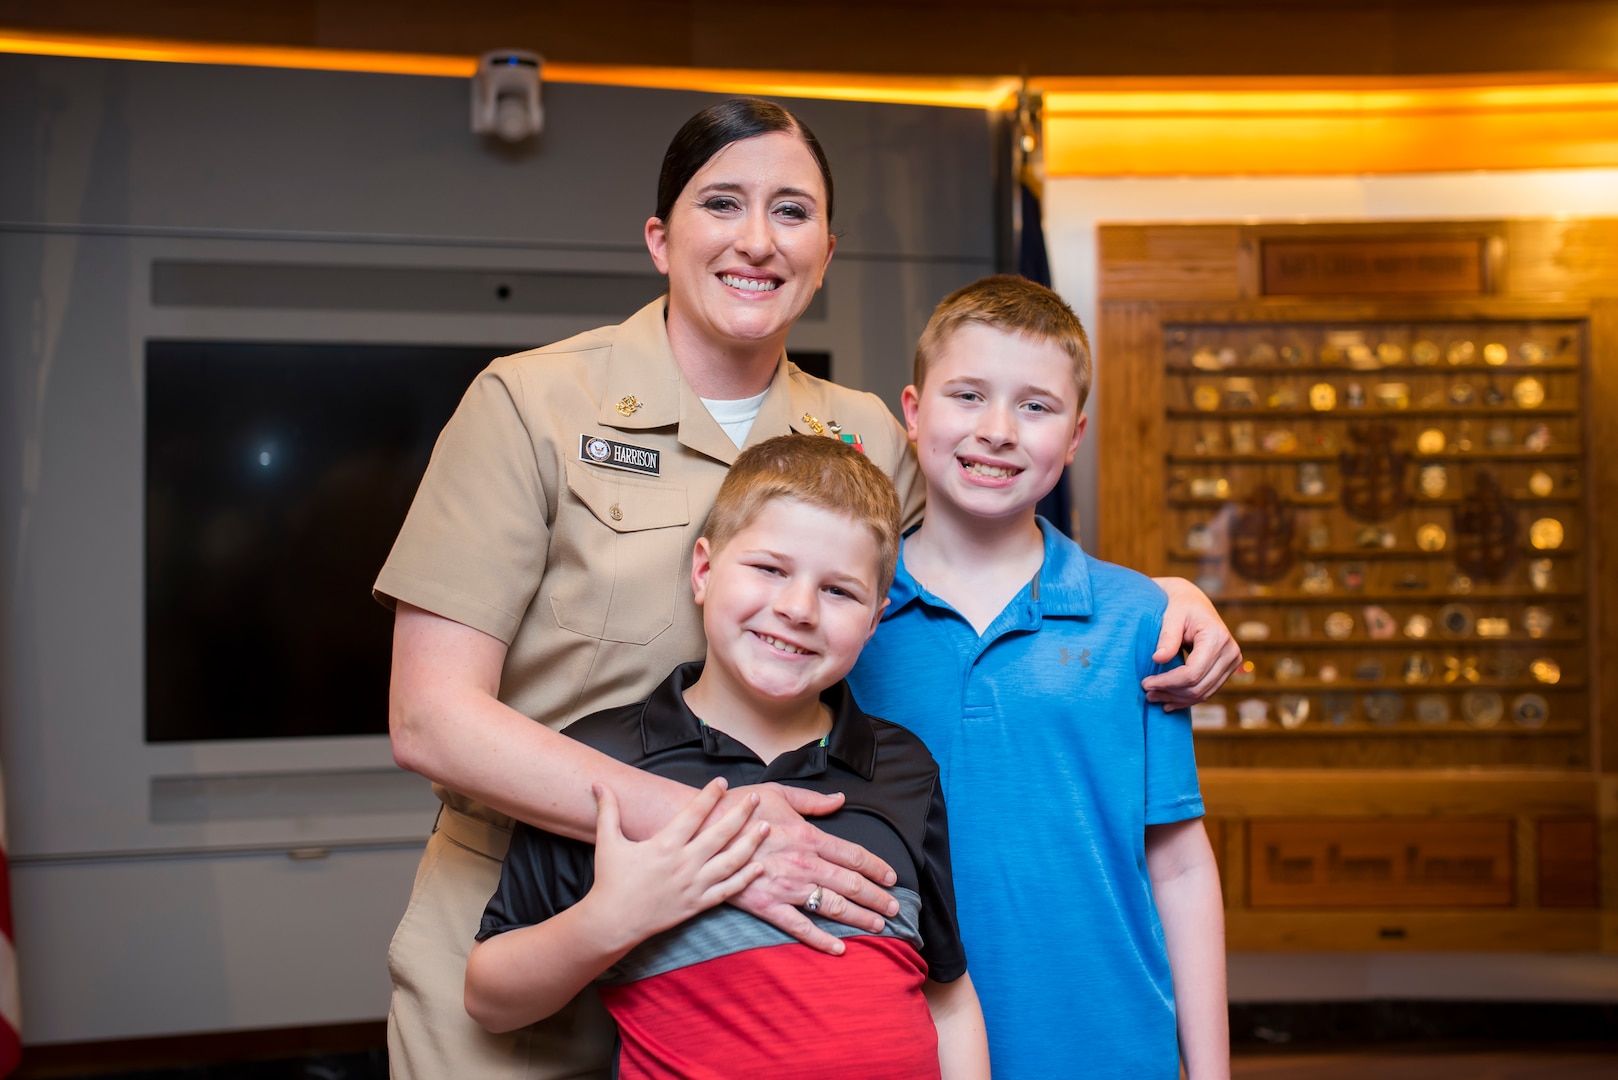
x=657, y=242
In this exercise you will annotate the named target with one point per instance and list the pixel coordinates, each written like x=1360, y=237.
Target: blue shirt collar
x=1061, y=587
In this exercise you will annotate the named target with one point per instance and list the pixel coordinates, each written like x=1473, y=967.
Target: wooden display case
x=1379, y=449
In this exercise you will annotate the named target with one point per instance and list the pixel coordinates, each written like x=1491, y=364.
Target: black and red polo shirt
x=726, y=994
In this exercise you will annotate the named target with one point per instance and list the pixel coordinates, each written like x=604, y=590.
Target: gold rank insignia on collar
x=627, y=405
x=814, y=425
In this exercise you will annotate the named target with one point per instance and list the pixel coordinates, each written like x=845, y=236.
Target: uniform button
x=615, y=513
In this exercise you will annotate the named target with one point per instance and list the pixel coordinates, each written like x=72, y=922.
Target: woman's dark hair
x=715, y=128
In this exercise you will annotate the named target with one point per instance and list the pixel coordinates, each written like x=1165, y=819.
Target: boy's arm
x=1191, y=619
x=963, y=1041
x=446, y=722
x=640, y=889
x=1185, y=886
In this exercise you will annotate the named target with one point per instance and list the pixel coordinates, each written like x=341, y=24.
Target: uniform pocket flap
x=625, y=504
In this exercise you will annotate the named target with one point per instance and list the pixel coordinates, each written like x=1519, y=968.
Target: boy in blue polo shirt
x=1089, y=898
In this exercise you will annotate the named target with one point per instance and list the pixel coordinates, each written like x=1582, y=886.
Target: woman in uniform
x=542, y=572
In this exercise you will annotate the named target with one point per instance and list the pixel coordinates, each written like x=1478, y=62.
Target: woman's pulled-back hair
x=820, y=472
x=715, y=128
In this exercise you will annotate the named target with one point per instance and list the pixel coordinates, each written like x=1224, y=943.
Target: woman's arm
x=1185, y=885
x=524, y=975
x=1191, y=619
x=963, y=1041
x=447, y=724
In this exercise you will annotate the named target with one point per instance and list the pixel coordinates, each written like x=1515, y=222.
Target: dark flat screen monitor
x=277, y=476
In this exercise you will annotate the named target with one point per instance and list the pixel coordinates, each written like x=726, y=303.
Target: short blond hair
x=1016, y=305
x=817, y=471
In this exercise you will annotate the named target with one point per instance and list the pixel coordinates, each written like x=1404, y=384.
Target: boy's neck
x=768, y=728
x=976, y=565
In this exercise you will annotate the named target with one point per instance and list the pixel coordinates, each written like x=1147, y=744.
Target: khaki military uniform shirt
x=558, y=514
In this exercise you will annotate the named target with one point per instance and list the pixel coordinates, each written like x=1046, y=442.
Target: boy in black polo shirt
x=792, y=574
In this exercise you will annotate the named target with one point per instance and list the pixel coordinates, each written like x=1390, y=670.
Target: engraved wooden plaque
x=1435, y=266
x=1380, y=864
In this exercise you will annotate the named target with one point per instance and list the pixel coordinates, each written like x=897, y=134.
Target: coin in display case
x=1529, y=711
x=1205, y=397
x=1431, y=537
x=1354, y=396
x=1494, y=627
x=1253, y=713
x=1208, y=715
x=1384, y=707
x=1498, y=437
x=1432, y=480
x=1199, y=538
x=1239, y=393
x=1252, y=630
x=1529, y=393
x=1316, y=579
x=1432, y=709
x=1337, y=709
x=1495, y=354
x=1374, y=536
x=1311, y=478
x=1431, y=441
x=1455, y=620
x=1369, y=671
x=1210, y=487
x=1482, y=708
x=1206, y=359
x=1505, y=666
x=1379, y=625
x=1538, y=438
x=1292, y=710
x=1461, y=393
x=1291, y=354
x=1352, y=575
x=1461, y=669
x=1540, y=483
x=1424, y=353
x=1288, y=669
x=1283, y=397
x=1536, y=621
x=1393, y=395
x=1459, y=583
x=1323, y=397
x=1461, y=352
x=1339, y=625
x=1360, y=356
x=1328, y=673
x=1532, y=352
x=1546, y=534
x=1540, y=575
x=1546, y=670
x=1418, y=626
x=1492, y=395
x=1279, y=441
x=1241, y=437
x=1417, y=669
x=1262, y=353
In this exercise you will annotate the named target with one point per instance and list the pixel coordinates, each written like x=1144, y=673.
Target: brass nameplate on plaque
x=1426, y=267
x=1380, y=864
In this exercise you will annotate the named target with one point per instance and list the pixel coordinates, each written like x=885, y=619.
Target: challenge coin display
x=1529, y=711
x=1545, y=534
x=1482, y=708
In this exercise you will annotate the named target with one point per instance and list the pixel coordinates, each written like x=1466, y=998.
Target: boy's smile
x=995, y=421
x=787, y=605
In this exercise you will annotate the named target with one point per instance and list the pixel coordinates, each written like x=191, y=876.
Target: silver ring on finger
x=812, y=904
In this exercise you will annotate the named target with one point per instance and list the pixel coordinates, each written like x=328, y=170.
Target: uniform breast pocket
x=618, y=546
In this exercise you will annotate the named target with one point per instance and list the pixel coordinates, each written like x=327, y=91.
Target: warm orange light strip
x=1329, y=127
x=969, y=93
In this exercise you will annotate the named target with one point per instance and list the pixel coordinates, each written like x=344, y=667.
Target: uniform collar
x=667, y=722
x=644, y=389
x=1060, y=587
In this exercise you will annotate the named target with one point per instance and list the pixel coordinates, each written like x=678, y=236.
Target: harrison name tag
x=617, y=455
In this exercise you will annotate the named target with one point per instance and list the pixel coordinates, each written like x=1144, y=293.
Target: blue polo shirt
x=1053, y=764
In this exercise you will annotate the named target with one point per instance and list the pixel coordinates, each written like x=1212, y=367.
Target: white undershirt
x=736, y=417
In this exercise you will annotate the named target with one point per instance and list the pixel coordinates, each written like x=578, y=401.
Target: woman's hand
x=699, y=859
x=798, y=858
x=1191, y=620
